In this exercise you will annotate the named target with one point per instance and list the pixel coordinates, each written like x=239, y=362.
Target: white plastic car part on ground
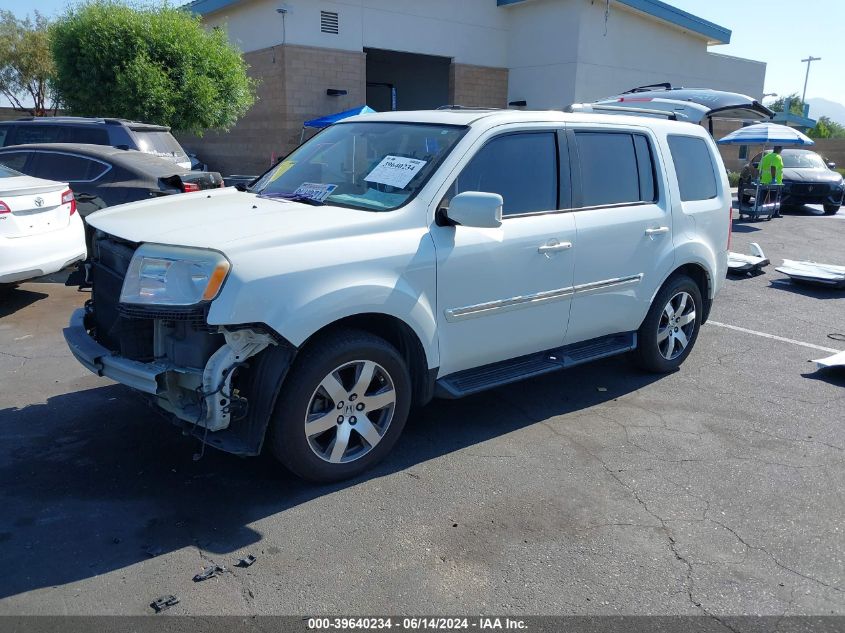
x=739, y=263
x=837, y=360
x=40, y=230
x=813, y=272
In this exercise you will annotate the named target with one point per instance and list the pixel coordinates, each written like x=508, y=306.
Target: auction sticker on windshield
x=395, y=171
x=314, y=190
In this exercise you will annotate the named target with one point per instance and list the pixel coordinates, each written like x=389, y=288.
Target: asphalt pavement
x=715, y=490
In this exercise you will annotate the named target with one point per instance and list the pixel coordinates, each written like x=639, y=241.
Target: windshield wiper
x=293, y=197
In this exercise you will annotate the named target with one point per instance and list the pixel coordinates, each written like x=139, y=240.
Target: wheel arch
x=702, y=277
x=401, y=336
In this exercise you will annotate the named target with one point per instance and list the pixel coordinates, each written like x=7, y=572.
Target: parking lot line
x=776, y=338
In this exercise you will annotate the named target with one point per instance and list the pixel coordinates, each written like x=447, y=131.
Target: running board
x=470, y=381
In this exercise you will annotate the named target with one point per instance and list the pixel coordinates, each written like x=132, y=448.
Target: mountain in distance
x=825, y=107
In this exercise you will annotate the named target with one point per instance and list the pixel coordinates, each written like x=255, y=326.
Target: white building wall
x=470, y=31
x=639, y=49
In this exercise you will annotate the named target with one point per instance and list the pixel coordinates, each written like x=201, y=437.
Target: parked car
x=102, y=176
x=401, y=256
x=119, y=133
x=807, y=179
x=40, y=230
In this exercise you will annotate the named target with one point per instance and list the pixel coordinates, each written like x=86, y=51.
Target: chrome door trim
x=515, y=303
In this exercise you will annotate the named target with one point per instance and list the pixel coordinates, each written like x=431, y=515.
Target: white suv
x=401, y=256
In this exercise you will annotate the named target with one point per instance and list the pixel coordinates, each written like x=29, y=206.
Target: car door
x=504, y=292
x=624, y=229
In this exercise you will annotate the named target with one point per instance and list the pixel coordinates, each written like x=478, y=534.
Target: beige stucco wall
x=478, y=86
x=294, y=80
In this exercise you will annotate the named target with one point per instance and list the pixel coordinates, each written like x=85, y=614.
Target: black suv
x=148, y=138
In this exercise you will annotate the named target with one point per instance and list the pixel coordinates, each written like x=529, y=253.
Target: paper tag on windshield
x=314, y=190
x=395, y=171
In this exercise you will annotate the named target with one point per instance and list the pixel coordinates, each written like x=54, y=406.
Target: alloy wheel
x=676, y=327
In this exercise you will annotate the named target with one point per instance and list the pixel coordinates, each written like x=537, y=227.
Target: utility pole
x=807, y=61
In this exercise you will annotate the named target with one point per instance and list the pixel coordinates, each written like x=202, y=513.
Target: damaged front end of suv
x=146, y=326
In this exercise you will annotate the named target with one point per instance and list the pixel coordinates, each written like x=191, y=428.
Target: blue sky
x=778, y=32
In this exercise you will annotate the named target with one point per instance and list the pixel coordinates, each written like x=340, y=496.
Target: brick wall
x=294, y=80
x=478, y=86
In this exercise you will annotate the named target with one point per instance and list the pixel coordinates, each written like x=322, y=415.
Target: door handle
x=554, y=246
x=660, y=230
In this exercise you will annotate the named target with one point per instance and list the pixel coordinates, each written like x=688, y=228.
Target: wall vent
x=329, y=22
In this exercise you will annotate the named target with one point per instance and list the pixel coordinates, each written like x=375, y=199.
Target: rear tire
x=670, y=329
x=831, y=209
x=332, y=421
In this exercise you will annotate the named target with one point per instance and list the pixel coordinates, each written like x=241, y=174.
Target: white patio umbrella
x=766, y=134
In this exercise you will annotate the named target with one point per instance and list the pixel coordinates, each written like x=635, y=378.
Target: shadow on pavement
x=14, y=299
x=93, y=481
x=814, y=291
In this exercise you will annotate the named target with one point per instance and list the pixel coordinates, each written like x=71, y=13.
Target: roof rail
x=599, y=108
x=649, y=87
x=462, y=107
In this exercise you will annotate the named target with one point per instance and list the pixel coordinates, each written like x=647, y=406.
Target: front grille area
x=810, y=189
x=125, y=329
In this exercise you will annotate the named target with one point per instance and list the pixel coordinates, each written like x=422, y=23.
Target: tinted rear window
x=694, y=166
x=160, y=143
x=4, y=132
x=88, y=134
x=615, y=168
x=64, y=167
x=14, y=160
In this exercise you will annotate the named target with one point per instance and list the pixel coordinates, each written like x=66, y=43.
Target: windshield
x=370, y=166
x=802, y=160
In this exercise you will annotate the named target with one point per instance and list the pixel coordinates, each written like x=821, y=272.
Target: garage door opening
x=406, y=81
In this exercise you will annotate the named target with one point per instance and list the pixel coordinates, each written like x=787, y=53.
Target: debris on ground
x=814, y=273
x=837, y=360
x=164, y=603
x=752, y=263
x=246, y=561
x=209, y=572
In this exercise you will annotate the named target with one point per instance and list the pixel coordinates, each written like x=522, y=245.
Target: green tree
x=26, y=66
x=796, y=105
x=827, y=128
x=157, y=65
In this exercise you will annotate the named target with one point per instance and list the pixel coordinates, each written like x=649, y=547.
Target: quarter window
x=522, y=168
x=67, y=168
x=694, y=167
x=14, y=160
x=616, y=168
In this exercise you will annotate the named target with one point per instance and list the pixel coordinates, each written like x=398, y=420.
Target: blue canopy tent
x=329, y=119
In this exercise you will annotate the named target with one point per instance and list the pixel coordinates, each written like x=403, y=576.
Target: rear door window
x=88, y=134
x=694, y=167
x=521, y=167
x=67, y=167
x=615, y=167
x=15, y=160
x=4, y=134
x=39, y=133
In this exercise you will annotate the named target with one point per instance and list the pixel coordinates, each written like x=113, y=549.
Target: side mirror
x=831, y=165
x=476, y=208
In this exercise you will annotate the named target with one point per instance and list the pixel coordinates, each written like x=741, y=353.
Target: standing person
x=771, y=173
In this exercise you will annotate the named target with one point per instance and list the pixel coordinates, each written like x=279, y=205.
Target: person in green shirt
x=771, y=167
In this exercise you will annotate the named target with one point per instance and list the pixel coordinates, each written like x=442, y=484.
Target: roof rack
x=599, y=108
x=649, y=87
x=462, y=107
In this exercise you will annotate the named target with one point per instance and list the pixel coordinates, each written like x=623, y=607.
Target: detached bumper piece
x=748, y=264
x=814, y=273
x=103, y=362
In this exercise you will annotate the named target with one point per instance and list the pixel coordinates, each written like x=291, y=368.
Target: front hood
x=792, y=174
x=229, y=220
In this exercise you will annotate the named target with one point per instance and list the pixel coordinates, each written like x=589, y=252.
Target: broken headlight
x=173, y=276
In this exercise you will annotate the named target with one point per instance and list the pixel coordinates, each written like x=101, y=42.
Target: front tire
x=831, y=209
x=670, y=329
x=342, y=407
